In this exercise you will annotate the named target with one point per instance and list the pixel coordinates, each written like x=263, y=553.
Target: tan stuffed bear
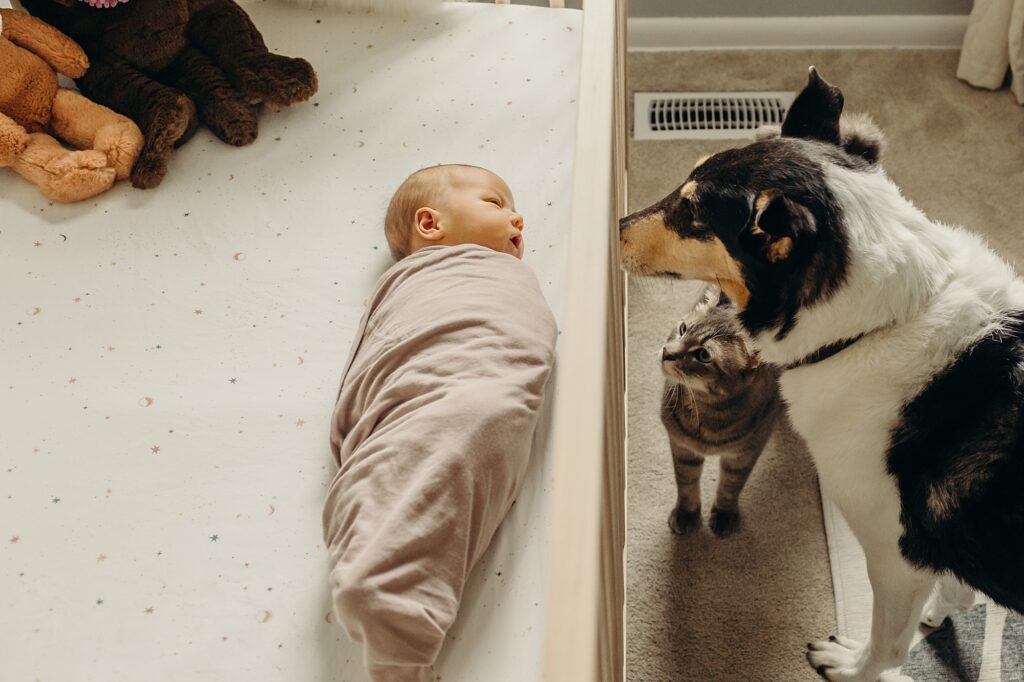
x=31, y=104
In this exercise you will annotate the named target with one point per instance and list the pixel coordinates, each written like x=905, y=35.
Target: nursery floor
x=742, y=609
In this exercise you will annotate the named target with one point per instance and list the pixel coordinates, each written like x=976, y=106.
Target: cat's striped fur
x=718, y=400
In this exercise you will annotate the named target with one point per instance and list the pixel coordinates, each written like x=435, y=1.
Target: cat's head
x=709, y=345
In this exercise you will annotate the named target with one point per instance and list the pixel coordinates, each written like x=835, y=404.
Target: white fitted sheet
x=210, y=318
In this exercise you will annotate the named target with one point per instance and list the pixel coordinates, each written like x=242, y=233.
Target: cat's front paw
x=724, y=522
x=682, y=522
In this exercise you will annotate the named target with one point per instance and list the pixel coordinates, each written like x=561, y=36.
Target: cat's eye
x=682, y=328
x=703, y=355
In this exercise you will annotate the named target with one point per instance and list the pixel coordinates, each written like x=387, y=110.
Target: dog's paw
x=724, y=522
x=933, y=616
x=838, y=659
x=949, y=596
x=682, y=522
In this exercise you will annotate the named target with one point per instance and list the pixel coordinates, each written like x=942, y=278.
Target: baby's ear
x=428, y=224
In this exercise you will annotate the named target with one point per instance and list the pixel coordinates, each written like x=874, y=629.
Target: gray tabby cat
x=718, y=400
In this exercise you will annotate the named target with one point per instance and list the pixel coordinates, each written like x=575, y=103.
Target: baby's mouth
x=516, y=241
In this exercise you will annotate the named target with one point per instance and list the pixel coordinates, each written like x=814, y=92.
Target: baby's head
x=450, y=205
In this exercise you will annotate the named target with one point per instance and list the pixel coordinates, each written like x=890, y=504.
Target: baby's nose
x=517, y=221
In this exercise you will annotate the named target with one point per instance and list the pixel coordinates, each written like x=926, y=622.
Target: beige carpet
x=743, y=608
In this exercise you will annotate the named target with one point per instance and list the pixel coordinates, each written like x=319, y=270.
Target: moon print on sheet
x=238, y=256
x=146, y=402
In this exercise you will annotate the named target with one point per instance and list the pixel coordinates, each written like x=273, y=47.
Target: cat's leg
x=685, y=517
x=949, y=596
x=734, y=470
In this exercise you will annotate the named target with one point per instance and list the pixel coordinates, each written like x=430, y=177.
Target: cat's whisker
x=696, y=407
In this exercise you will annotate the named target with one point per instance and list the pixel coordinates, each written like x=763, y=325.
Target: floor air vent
x=706, y=115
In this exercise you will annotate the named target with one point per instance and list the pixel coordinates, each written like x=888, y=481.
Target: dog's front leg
x=900, y=592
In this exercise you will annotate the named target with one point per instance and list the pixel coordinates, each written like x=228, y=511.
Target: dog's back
x=958, y=456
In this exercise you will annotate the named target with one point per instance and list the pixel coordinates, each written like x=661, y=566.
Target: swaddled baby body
x=434, y=420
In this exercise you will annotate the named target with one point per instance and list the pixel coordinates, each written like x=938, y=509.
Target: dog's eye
x=682, y=328
x=703, y=355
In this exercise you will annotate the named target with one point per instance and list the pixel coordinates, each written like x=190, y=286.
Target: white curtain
x=994, y=42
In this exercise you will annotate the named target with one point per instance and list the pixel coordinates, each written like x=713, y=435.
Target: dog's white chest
x=845, y=418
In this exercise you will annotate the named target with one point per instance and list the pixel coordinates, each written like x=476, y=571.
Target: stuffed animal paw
x=107, y=143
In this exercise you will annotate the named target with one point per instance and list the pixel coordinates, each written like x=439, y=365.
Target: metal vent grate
x=704, y=115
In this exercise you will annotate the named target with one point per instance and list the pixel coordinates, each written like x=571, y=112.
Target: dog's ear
x=815, y=112
x=779, y=223
x=861, y=137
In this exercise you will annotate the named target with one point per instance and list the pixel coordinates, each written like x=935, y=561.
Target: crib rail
x=552, y=3
x=585, y=630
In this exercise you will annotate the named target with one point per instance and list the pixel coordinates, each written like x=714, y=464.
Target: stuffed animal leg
x=60, y=174
x=32, y=105
x=166, y=115
x=13, y=140
x=88, y=125
x=221, y=108
x=256, y=72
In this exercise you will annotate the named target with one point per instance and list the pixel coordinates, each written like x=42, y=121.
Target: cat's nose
x=664, y=353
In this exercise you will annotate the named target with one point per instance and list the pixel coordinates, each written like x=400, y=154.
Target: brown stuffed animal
x=31, y=105
x=165, y=62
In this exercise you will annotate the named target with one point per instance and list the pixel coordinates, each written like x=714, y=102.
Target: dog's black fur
x=962, y=439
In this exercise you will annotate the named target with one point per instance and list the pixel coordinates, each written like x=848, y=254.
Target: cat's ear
x=710, y=296
x=778, y=226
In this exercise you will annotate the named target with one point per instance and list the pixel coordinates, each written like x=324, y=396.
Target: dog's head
x=761, y=221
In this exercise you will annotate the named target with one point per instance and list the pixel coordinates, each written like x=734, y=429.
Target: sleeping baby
x=434, y=421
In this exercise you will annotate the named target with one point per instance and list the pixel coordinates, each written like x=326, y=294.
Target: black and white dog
x=902, y=344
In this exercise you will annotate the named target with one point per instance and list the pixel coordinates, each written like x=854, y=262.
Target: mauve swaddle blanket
x=432, y=433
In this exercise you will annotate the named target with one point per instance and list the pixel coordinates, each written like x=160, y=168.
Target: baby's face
x=478, y=208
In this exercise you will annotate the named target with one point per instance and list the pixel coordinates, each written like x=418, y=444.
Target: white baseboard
x=731, y=33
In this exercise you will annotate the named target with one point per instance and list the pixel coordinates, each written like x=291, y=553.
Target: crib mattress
x=169, y=360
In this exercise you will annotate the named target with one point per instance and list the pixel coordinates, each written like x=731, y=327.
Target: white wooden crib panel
x=169, y=361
